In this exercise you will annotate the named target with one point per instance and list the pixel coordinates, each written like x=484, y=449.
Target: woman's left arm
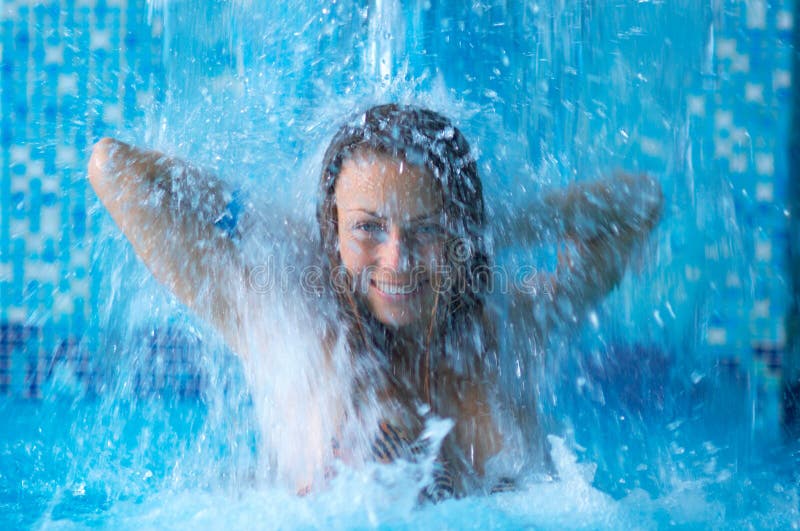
x=599, y=223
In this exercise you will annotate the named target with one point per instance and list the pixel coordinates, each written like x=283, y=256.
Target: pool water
x=71, y=463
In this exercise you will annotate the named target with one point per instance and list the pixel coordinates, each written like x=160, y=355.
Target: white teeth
x=396, y=289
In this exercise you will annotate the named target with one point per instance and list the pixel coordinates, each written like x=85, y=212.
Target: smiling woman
x=399, y=188
x=402, y=225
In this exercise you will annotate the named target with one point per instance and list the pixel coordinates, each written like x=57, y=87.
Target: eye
x=428, y=230
x=369, y=228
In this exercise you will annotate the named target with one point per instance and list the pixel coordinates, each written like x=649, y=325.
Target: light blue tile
x=18, y=270
x=34, y=205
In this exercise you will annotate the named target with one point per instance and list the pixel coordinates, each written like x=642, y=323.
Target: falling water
x=654, y=410
x=547, y=94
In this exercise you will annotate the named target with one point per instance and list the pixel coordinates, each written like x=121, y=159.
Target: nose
x=394, y=252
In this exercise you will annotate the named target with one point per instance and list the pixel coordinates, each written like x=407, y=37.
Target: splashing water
x=652, y=428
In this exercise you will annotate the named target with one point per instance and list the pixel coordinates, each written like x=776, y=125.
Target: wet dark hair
x=428, y=140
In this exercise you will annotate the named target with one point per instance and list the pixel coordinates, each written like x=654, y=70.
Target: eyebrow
x=421, y=217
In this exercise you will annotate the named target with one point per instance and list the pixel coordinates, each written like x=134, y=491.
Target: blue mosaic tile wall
x=75, y=70
x=744, y=103
x=72, y=71
x=747, y=106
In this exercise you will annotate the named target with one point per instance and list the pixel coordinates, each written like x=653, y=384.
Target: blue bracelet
x=228, y=221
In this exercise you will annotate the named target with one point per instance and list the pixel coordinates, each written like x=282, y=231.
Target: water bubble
x=594, y=320
x=79, y=489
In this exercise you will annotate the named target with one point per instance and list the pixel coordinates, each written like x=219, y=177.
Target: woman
x=406, y=267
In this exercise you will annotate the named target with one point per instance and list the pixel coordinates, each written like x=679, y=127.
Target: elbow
x=649, y=204
x=108, y=158
x=98, y=163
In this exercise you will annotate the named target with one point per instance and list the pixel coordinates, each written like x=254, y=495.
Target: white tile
x=740, y=63
x=79, y=288
x=739, y=135
x=651, y=146
x=51, y=184
x=756, y=14
x=62, y=304
x=764, y=251
x=716, y=336
x=781, y=79
x=112, y=114
x=726, y=48
x=100, y=39
x=9, y=9
x=696, y=105
x=66, y=156
x=723, y=119
x=723, y=148
x=691, y=273
x=79, y=257
x=754, y=92
x=784, y=20
x=68, y=84
x=43, y=272
x=35, y=168
x=54, y=54
x=765, y=164
x=144, y=98
x=738, y=163
x=21, y=183
x=50, y=219
x=19, y=227
x=5, y=271
x=765, y=192
x=20, y=154
x=761, y=308
x=15, y=313
x=33, y=244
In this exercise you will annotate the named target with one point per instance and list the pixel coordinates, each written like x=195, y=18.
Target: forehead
x=387, y=186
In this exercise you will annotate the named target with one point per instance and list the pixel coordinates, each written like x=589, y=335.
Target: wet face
x=391, y=235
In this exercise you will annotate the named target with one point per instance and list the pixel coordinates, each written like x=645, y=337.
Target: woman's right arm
x=602, y=222
x=170, y=212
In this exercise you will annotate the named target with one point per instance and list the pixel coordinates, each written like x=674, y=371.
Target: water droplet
x=657, y=317
x=594, y=320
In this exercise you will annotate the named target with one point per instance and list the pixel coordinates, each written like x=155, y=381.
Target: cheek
x=354, y=255
x=432, y=255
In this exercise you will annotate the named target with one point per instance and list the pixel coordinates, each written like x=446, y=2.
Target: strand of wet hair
x=426, y=379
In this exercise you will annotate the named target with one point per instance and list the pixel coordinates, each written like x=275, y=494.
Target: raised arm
x=598, y=225
x=172, y=212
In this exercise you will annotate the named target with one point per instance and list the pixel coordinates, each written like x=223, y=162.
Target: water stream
x=658, y=412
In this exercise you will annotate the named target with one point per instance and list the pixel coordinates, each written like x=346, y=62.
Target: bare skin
x=167, y=210
x=603, y=221
x=389, y=237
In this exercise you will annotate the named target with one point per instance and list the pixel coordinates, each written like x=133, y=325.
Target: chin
x=398, y=317
x=396, y=321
